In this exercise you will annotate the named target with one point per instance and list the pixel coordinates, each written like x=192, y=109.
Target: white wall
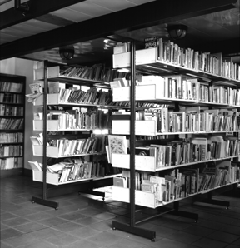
x=23, y=67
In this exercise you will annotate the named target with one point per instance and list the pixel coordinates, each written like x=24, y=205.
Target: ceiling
x=216, y=29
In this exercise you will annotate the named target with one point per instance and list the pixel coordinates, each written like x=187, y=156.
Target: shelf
x=53, y=178
x=11, y=130
x=11, y=116
x=197, y=132
x=52, y=152
x=52, y=125
x=147, y=62
x=12, y=156
x=148, y=199
x=143, y=128
x=148, y=163
x=21, y=93
x=10, y=143
x=12, y=103
x=53, y=100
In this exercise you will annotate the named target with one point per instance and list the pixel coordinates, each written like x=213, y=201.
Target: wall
x=22, y=67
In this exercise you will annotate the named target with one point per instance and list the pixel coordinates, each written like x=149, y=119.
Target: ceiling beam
x=141, y=16
x=38, y=8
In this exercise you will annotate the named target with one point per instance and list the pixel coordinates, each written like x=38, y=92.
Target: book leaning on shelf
x=8, y=151
x=7, y=123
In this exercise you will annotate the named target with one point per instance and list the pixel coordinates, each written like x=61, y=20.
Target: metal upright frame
x=115, y=224
x=43, y=200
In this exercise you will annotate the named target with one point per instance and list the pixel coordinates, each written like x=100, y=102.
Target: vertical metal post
x=132, y=136
x=44, y=159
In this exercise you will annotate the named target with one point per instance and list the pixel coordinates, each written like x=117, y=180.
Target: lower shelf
x=147, y=199
x=53, y=178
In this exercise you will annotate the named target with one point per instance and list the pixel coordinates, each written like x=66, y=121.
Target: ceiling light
x=177, y=31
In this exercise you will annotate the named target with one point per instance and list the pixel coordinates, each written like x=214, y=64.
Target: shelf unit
x=12, y=114
x=147, y=61
x=46, y=100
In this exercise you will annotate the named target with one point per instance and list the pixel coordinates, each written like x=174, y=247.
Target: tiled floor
x=86, y=223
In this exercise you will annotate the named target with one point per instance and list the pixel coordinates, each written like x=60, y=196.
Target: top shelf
x=147, y=62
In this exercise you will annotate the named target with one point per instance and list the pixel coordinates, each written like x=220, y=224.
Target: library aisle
x=86, y=222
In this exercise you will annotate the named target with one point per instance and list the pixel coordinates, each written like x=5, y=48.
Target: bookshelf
x=71, y=121
x=12, y=112
x=197, y=129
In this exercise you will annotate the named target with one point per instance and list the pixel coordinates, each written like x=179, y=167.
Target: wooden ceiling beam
x=148, y=14
x=38, y=8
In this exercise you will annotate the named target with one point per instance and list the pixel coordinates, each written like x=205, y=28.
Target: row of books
x=10, y=163
x=218, y=94
x=95, y=144
x=8, y=151
x=97, y=72
x=169, y=52
x=10, y=110
x=188, y=119
x=11, y=98
x=91, y=96
x=11, y=124
x=11, y=137
x=197, y=149
x=11, y=87
x=74, y=119
x=183, y=182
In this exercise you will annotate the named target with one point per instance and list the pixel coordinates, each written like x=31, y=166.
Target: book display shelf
x=198, y=122
x=12, y=111
x=71, y=121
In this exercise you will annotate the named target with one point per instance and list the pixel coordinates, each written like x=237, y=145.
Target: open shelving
x=12, y=111
x=145, y=165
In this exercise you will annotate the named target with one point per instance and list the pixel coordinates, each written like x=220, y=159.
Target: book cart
x=151, y=61
x=51, y=129
x=12, y=114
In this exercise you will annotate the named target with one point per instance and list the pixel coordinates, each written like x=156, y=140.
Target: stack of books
x=8, y=151
x=11, y=137
x=11, y=87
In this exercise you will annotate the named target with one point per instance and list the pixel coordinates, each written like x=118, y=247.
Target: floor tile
x=72, y=216
x=82, y=243
x=223, y=236
x=7, y=216
x=53, y=221
x=38, y=216
x=46, y=233
x=30, y=227
x=232, y=246
x=209, y=243
x=236, y=242
x=64, y=239
x=67, y=227
x=105, y=216
x=104, y=238
x=84, y=232
x=199, y=230
x=22, y=240
x=167, y=243
x=4, y=245
x=39, y=244
x=101, y=225
x=87, y=221
x=15, y=221
x=9, y=233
